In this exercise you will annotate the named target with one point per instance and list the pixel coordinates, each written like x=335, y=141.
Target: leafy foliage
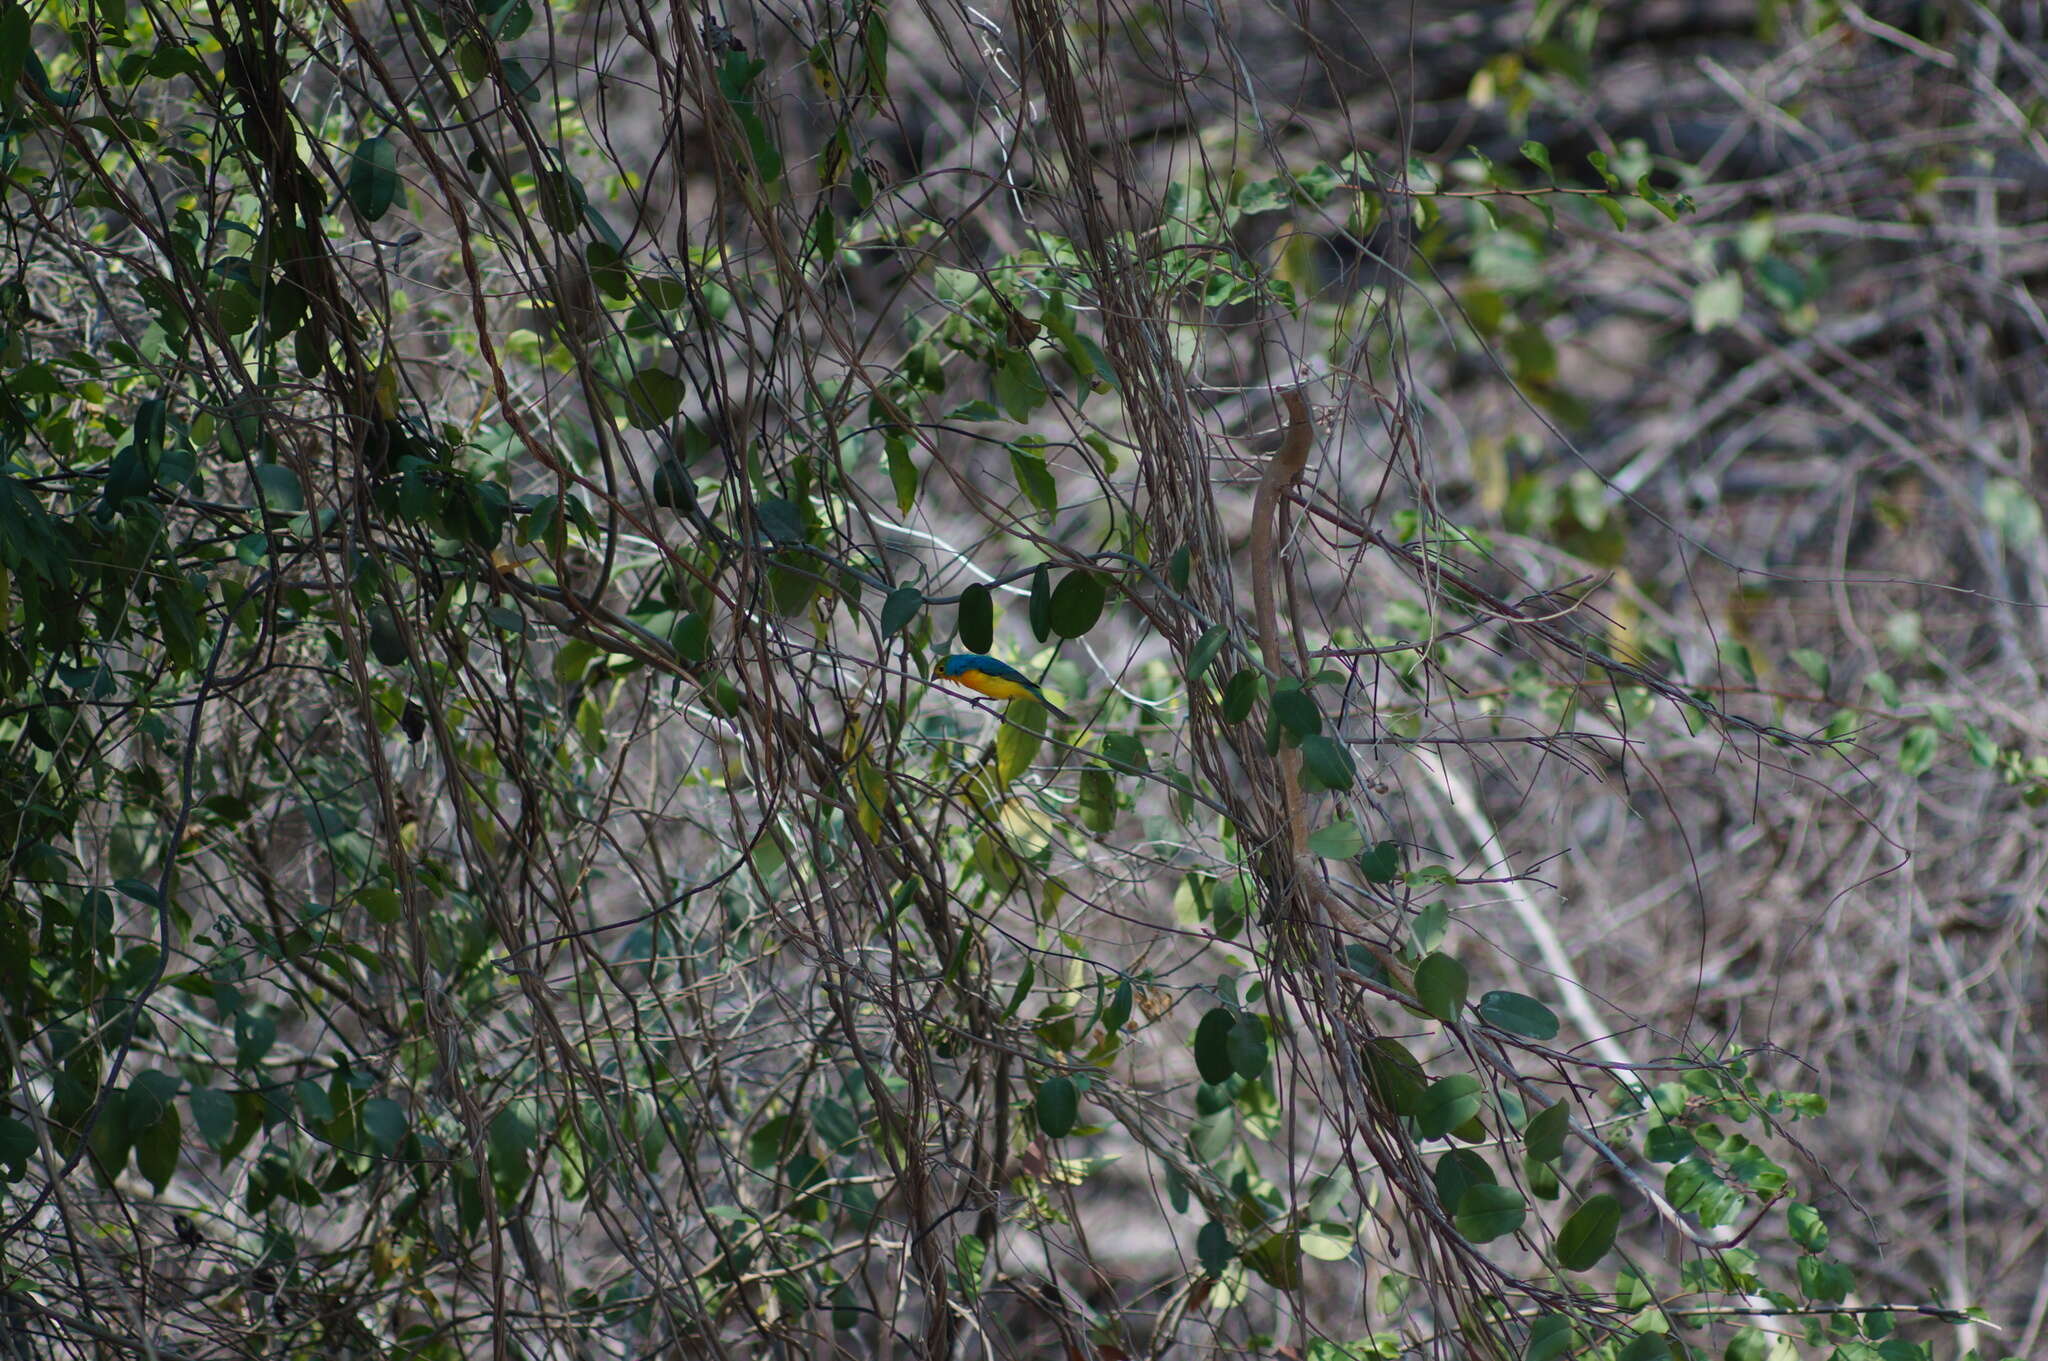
x=486, y=863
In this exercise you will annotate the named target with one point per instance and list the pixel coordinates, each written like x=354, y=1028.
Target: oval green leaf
x=1240, y=695
x=387, y=643
x=1457, y=1172
x=1277, y=1260
x=1328, y=1242
x=1212, y=1045
x=1041, y=602
x=1489, y=1212
x=1396, y=1078
x=156, y=1149
x=1338, y=841
x=1077, y=603
x=373, y=177
x=1056, y=1105
x=1518, y=1015
x=653, y=397
x=900, y=608
x=1588, y=1235
x=1550, y=1336
x=1212, y=1248
x=1544, y=1138
x=1446, y=1104
x=1382, y=864
x=1441, y=985
x=1297, y=712
x=384, y=1121
x=1205, y=649
x=977, y=619
x=1247, y=1042
x=1328, y=761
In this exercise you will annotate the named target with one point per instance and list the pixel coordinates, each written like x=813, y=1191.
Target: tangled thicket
x=1532, y=509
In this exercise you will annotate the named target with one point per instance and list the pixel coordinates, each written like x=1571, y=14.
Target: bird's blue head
x=960, y=663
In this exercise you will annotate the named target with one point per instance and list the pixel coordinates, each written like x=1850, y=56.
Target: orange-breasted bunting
x=985, y=675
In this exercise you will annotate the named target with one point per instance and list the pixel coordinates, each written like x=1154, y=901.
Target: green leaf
x=1540, y=1178
x=14, y=48
x=1077, y=603
x=1018, y=385
x=1117, y=1013
x=1544, y=1137
x=1035, y=478
x=1212, y=1248
x=1588, y=1235
x=1247, y=1045
x=17, y=1140
x=279, y=487
x=1824, y=1279
x=561, y=196
x=387, y=643
x=1277, y=1260
x=1669, y=1144
x=672, y=487
x=1808, y=1230
x=1649, y=1346
x=1212, y=1045
x=902, y=471
x=157, y=1148
x=1240, y=695
x=1518, y=1015
x=1338, y=841
x=140, y=890
x=1328, y=761
x=1538, y=155
x=1056, y=1105
x=1328, y=1242
x=1381, y=864
x=1717, y=303
x=1297, y=712
x=1485, y=1213
x=510, y=1137
x=1097, y=800
x=1440, y=985
x=1458, y=1171
x=214, y=1114
x=1446, y=1104
x=653, y=397
x=1396, y=1078
x=1917, y=750
x=1018, y=742
x=373, y=177
x=835, y=1124
x=691, y=637
x=314, y=1101
x=970, y=1254
x=1550, y=1336
x=1041, y=602
x=780, y=519
x=384, y=1120
x=149, y=1095
x=1204, y=651
x=901, y=607
x=976, y=619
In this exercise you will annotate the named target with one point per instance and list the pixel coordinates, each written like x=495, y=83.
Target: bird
x=985, y=675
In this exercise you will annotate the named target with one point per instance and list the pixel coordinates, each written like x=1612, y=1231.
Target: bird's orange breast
x=995, y=687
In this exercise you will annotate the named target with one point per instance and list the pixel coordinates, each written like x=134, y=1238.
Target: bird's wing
x=1004, y=671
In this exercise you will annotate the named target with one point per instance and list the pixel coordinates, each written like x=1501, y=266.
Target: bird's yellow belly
x=995, y=687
